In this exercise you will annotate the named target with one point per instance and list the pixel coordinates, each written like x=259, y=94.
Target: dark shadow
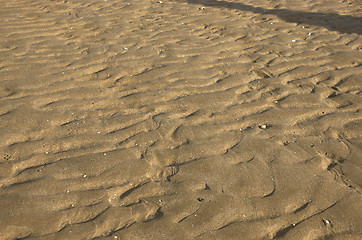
x=332, y=21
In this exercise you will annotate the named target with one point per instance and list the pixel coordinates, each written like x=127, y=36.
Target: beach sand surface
x=180, y=119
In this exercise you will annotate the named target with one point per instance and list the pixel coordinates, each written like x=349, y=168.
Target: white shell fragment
x=264, y=126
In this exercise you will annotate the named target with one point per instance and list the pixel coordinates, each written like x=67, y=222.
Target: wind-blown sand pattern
x=180, y=119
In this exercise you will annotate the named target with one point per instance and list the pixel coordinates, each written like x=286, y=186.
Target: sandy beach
x=181, y=119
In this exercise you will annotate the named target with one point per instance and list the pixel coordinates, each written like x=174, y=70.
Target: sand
x=180, y=119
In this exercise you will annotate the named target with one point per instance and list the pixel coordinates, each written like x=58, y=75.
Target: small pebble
x=326, y=222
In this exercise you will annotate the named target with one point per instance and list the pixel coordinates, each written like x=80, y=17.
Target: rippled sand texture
x=180, y=119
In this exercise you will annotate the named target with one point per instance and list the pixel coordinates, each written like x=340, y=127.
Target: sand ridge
x=180, y=119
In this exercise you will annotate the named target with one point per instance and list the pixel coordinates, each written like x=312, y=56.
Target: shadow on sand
x=334, y=22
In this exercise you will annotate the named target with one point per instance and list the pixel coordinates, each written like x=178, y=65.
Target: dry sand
x=180, y=119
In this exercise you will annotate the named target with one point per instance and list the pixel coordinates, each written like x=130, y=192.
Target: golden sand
x=180, y=119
